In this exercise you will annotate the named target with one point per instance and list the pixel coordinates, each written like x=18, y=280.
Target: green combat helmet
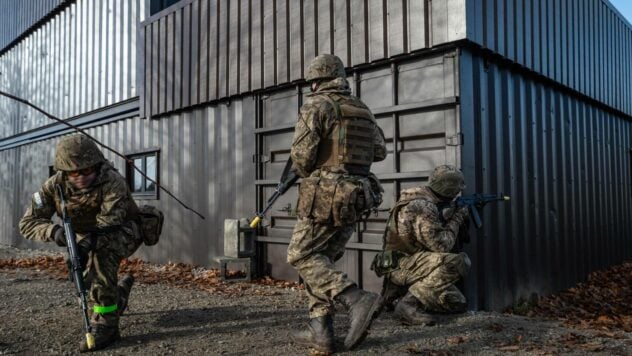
x=447, y=181
x=325, y=66
x=77, y=152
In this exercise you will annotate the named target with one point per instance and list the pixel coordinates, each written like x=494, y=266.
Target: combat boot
x=124, y=287
x=104, y=336
x=409, y=312
x=319, y=334
x=362, y=306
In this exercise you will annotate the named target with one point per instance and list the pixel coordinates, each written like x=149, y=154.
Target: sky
x=624, y=7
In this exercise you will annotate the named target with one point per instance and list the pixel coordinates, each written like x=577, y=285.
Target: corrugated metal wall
x=585, y=45
x=81, y=60
x=18, y=16
x=8, y=174
x=203, y=50
x=566, y=165
x=205, y=160
x=414, y=102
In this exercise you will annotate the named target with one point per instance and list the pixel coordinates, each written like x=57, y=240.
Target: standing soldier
x=335, y=141
x=422, y=230
x=104, y=217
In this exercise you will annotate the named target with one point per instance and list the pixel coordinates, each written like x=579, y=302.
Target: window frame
x=157, y=6
x=129, y=174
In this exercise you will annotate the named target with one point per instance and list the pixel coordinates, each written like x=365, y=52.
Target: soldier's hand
x=461, y=215
x=60, y=237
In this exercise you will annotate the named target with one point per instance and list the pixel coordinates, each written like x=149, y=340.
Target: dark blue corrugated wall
x=566, y=164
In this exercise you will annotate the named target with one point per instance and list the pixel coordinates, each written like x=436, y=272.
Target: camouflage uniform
x=423, y=229
x=337, y=187
x=104, y=217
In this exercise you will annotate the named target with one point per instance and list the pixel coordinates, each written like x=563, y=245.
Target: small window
x=140, y=186
x=158, y=5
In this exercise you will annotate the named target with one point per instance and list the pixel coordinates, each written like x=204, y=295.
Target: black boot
x=409, y=312
x=103, y=336
x=319, y=334
x=361, y=305
x=124, y=288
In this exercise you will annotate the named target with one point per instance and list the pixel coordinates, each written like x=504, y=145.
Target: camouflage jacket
x=316, y=119
x=421, y=225
x=102, y=208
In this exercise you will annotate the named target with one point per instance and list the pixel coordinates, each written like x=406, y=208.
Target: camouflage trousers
x=430, y=277
x=101, y=270
x=312, y=252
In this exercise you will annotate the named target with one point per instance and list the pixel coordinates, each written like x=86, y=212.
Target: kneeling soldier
x=422, y=230
x=104, y=217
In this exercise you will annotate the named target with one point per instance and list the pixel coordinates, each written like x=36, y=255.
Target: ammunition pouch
x=151, y=221
x=386, y=262
x=339, y=201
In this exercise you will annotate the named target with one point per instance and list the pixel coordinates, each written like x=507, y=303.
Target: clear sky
x=624, y=7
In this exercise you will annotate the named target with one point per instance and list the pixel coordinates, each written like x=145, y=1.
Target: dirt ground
x=38, y=315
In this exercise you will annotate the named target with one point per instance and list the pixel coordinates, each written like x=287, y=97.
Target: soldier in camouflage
x=335, y=141
x=104, y=217
x=422, y=230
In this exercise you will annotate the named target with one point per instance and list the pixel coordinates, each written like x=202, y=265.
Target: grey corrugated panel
x=234, y=34
x=161, y=95
x=204, y=51
x=265, y=44
x=20, y=16
x=168, y=72
x=563, y=161
x=245, y=47
x=66, y=73
x=257, y=45
x=195, y=53
x=574, y=43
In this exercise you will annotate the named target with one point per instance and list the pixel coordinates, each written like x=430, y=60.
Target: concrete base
x=223, y=264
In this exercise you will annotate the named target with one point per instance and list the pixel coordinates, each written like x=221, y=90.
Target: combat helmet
x=446, y=181
x=77, y=152
x=325, y=66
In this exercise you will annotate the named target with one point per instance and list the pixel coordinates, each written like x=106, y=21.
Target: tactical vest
x=350, y=143
x=393, y=240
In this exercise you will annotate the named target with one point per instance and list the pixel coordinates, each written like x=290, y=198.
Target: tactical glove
x=60, y=237
x=460, y=216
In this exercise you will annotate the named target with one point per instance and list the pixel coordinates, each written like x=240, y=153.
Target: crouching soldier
x=104, y=217
x=421, y=231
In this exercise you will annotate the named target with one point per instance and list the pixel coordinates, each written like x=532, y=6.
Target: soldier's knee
x=460, y=263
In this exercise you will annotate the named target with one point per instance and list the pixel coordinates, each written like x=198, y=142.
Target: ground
x=39, y=316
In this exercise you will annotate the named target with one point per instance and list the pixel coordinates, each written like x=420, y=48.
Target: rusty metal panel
x=583, y=45
x=564, y=160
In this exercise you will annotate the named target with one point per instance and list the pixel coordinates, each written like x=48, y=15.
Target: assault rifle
x=288, y=178
x=478, y=201
x=76, y=275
